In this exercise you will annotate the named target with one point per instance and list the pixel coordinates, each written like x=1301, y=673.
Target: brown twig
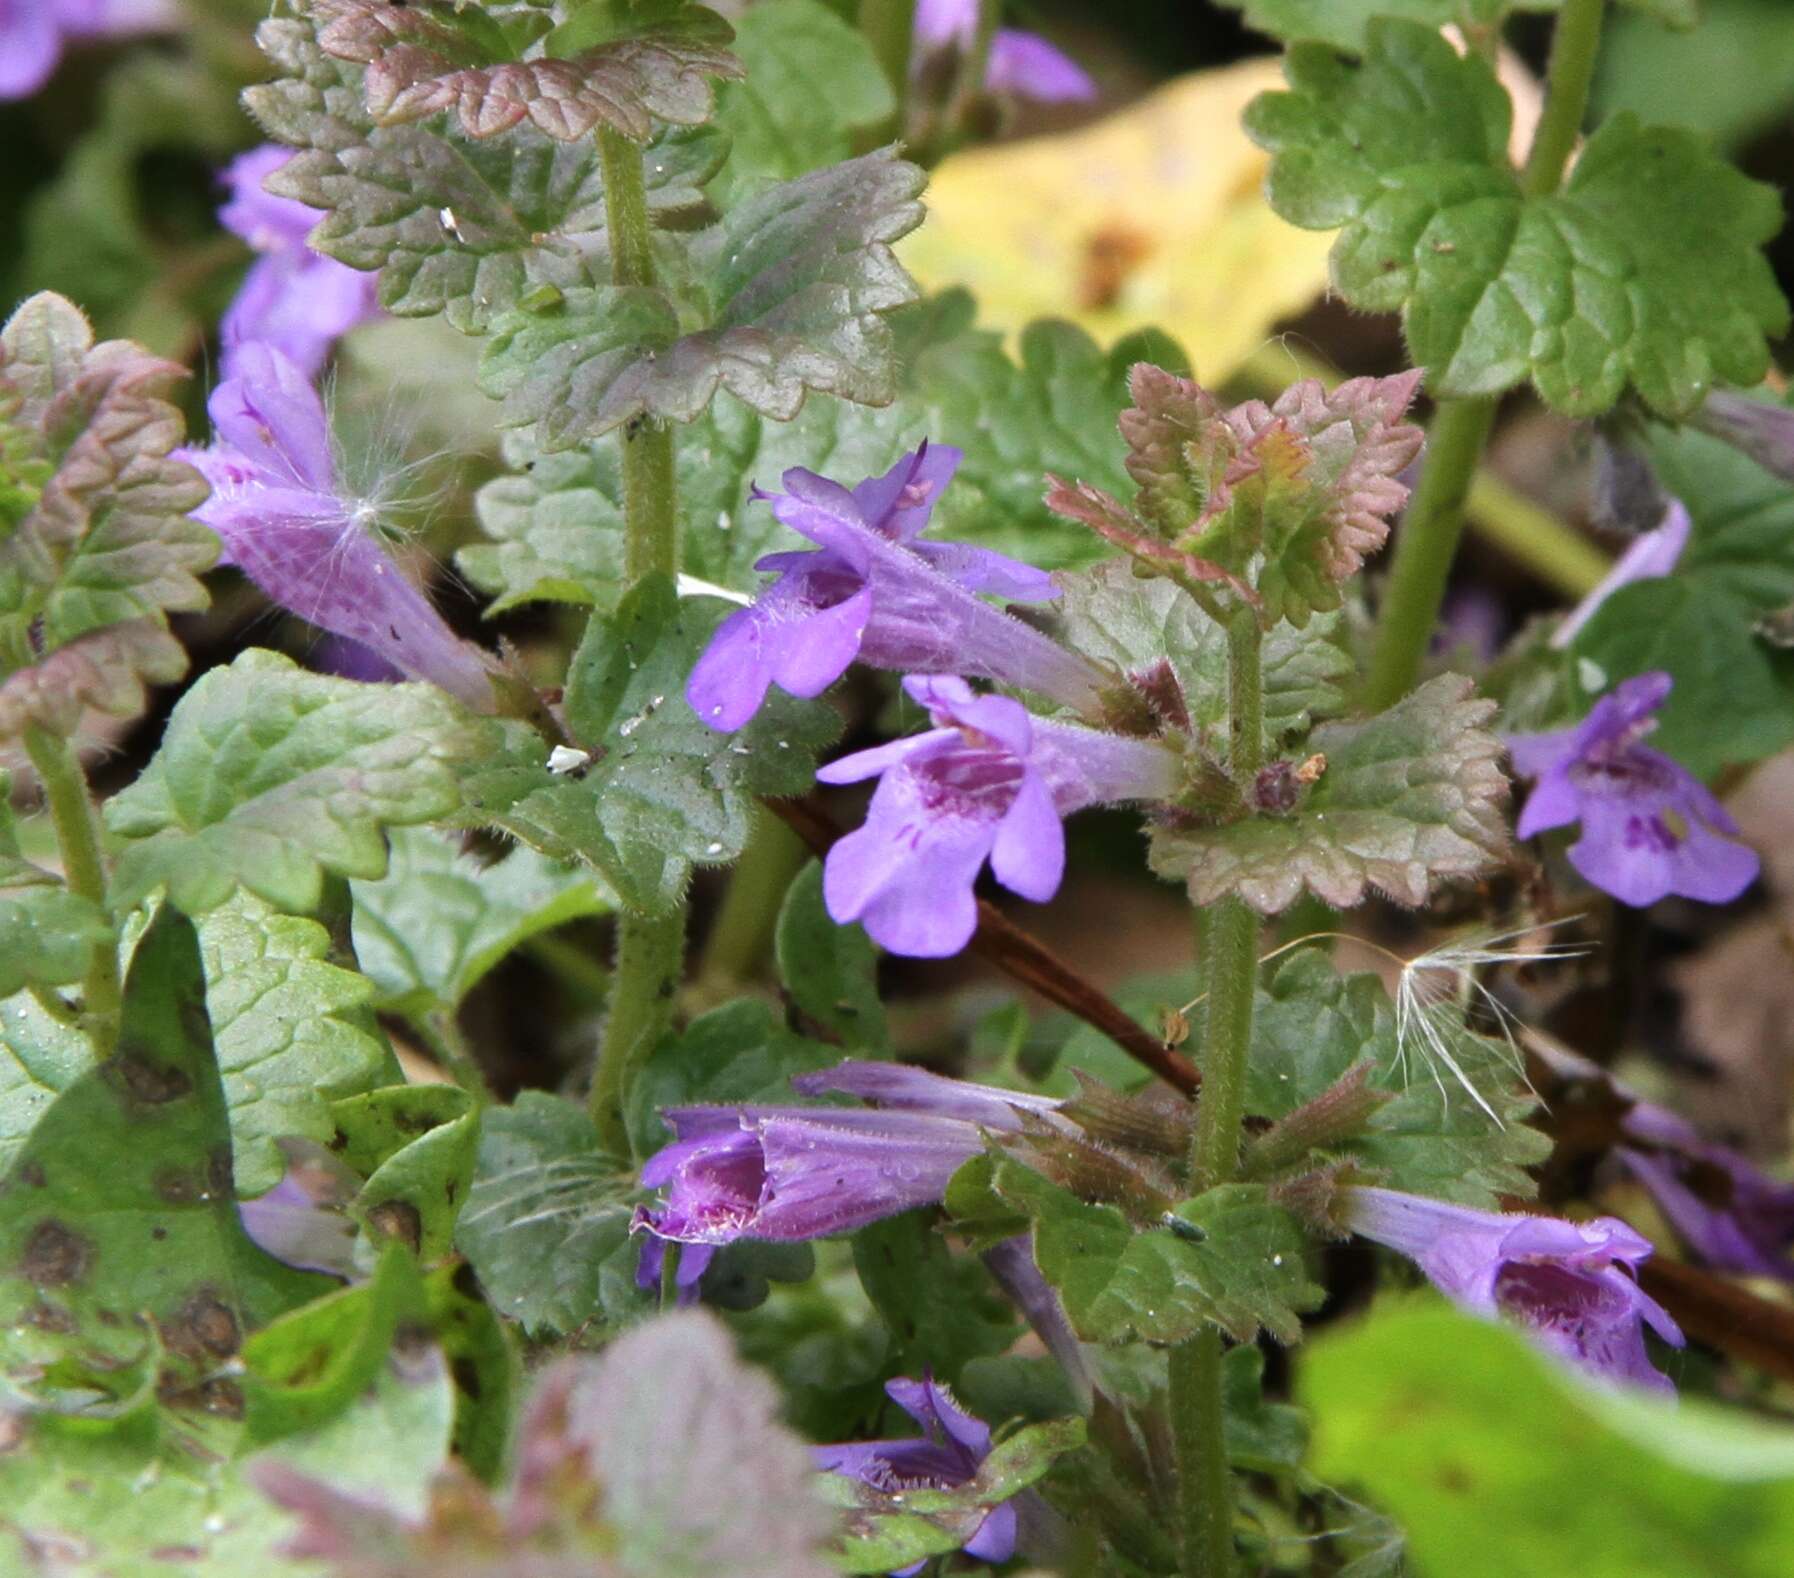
x=1023, y=958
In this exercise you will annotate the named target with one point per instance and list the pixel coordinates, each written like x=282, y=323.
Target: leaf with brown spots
x=122, y=1261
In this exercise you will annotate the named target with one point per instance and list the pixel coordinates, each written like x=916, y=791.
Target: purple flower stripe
x=1562, y=1281
x=287, y=525
x=1652, y=554
x=872, y=591
x=988, y=783
x=294, y=299
x=947, y=1455
x=1649, y=827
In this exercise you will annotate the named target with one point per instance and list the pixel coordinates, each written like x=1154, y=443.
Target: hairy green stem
x=643, y=991
x=84, y=869
x=626, y=219
x=1229, y=946
x=1204, y=1482
x=741, y=937
x=1245, y=697
x=650, y=949
x=1434, y=521
x=1425, y=547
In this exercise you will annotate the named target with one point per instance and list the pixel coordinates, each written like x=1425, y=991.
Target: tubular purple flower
x=805, y=1172
x=287, y=524
x=294, y=299
x=988, y=782
x=1649, y=827
x=873, y=590
x=1762, y=429
x=949, y=1454
x=1021, y=65
x=1562, y=1281
x=1651, y=554
x=1012, y=1266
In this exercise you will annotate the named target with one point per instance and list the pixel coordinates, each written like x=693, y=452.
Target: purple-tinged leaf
x=420, y=65
x=99, y=546
x=1401, y=799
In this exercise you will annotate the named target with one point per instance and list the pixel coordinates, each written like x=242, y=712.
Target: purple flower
x=1561, y=1280
x=1763, y=429
x=293, y=298
x=873, y=590
x=949, y=1454
x=1649, y=828
x=303, y=1219
x=289, y=526
x=1728, y=1211
x=805, y=1172
x=1651, y=554
x=1021, y=65
x=33, y=32
x=988, y=782
x=1731, y=1213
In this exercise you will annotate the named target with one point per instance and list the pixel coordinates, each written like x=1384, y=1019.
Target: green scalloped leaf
x=830, y=971
x=793, y=284
x=40, y=1057
x=1645, y=272
x=1136, y=625
x=812, y=83
x=428, y=931
x=546, y=1225
x=1407, y=797
x=663, y=793
x=1434, y=1137
x=269, y=778
x=294, y=1032
x=1235, y=1260
x=1733, y=700
x=47, y=934
x=454, y=226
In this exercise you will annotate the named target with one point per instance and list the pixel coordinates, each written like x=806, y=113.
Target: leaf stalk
x=84, y=868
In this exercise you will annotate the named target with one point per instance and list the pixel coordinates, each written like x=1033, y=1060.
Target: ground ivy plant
x=772, y=1262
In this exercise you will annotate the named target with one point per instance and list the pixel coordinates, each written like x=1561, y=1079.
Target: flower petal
x=1028, y=856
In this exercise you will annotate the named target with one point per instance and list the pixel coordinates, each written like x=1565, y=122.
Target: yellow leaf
x=1152, y=218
